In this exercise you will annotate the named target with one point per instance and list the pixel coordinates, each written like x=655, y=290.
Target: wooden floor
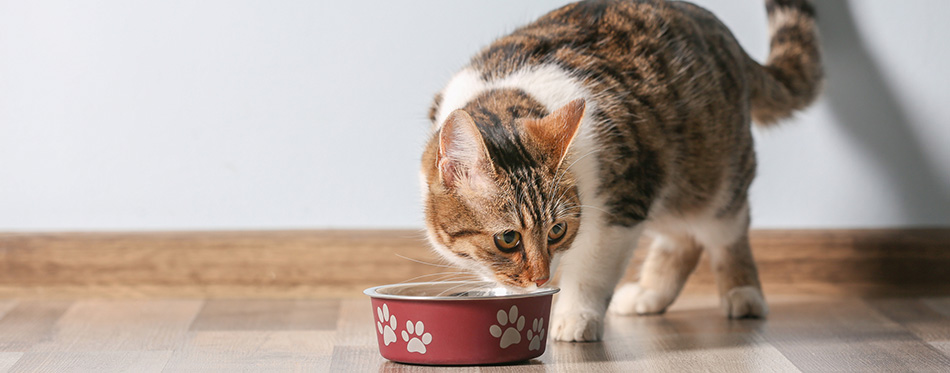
x=803, y=333
x=845, y=300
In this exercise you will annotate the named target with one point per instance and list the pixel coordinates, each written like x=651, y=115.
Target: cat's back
x=637, y=38
x=665, y=85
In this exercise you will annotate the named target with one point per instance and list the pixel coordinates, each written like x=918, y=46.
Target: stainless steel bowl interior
x=453, y=290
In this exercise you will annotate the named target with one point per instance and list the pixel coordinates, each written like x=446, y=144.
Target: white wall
x=301, y=114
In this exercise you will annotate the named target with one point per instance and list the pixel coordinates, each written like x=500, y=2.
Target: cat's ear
x=463, y=158
x=555, y=132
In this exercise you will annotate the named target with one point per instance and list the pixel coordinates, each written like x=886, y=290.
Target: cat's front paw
x=631, y=298
x=577, y=327
x=744, y=301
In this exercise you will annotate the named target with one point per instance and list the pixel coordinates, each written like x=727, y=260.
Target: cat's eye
x=507, y=241
x=557, y=232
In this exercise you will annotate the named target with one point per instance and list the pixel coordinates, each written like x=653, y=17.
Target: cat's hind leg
x=670, y=261
x=726, y=239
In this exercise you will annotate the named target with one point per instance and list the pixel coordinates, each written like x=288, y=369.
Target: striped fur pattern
x=612, y=118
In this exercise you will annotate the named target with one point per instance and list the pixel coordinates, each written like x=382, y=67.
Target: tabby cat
x=563, y=142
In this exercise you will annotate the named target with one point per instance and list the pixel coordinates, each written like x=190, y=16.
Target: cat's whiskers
x=442, y=276
x=454, y=279
x=557, y=179
x=426, y=263
x=466, y=276
x=420, y=234
x=454, y=287
x=598, y=209
x=564, y=211
x=581, y=207
x=483, y=287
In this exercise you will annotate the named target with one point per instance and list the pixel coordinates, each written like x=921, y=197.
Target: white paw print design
x=386, y=324
x=416, y=338
x=535, y=337
x=511, y=335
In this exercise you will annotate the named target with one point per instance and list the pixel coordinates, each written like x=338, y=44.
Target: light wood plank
x=367, y=359
x=940, y=305
x=6, y=305
x=254, y=351
x=8, y=359
x=357, y=324
x=256, y=314
x=942, y=346
x=30, y=322
x=681, y=340
x=94, y=361
x=293, y=264
x=804, y=332
x=122, y=325
x=536, y=365
x=751, y=358
x=754, y=357
x=356, y=359
x=847, y=335
x=915, y=316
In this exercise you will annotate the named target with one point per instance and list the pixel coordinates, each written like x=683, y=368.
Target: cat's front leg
x=589, y=272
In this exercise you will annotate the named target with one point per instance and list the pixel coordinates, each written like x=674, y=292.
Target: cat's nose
x=541, y=281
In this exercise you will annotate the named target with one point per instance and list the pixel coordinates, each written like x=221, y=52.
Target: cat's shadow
x=867, y=109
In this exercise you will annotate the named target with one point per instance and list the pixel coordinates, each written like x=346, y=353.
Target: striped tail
x=792, y=77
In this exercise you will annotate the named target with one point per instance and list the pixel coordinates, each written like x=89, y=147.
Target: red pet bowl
x=460, y=323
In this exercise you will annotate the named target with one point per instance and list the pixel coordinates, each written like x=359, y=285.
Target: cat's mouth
x=512, y=285
x=521, y=281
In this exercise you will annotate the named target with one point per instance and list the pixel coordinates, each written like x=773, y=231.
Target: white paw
x=417, y=340
x=631, y=298
x=511, y=335
x=744, y=301
x=536, y=334
x=578, y=327
x=386, y=324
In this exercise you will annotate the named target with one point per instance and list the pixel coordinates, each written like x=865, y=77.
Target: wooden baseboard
x=343, y=263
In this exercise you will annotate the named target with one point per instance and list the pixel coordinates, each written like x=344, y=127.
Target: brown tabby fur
x=675, y=96
x=468, y=227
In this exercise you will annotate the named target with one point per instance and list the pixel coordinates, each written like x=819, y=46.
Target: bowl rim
x=373, y=292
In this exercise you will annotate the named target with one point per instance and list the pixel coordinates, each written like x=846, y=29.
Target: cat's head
x=498, y=196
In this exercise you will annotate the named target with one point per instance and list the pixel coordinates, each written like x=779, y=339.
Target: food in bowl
x=460, y=323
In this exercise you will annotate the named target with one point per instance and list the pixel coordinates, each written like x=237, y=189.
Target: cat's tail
x=792, y=75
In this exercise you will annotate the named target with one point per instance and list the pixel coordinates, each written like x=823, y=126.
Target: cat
x=560, y=144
